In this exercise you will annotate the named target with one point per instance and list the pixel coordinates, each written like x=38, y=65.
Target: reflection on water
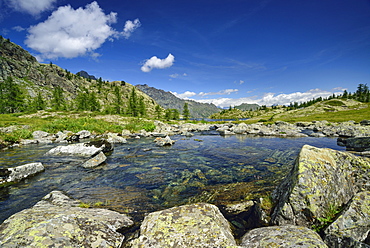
x=140, y=177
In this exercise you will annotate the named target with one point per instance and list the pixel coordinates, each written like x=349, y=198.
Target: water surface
x=140, y=177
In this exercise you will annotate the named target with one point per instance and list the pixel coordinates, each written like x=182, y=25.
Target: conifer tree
x=186, y=112
x=11, y=97
x=58, y=100
x=133, y=103
x=158, y=111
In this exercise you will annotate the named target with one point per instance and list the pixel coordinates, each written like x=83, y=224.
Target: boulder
x=197, y=225
x=282, y=236
x=95, y=161
x=365, y=123
x=358, y=144
x=40, y=134
x=166, y=141
x=20, y=172
x=114, y=138
x=88, y=149
x=321, y=180
x=353, y=226
x=56, y=221
x=83, y=134
x=79, y=149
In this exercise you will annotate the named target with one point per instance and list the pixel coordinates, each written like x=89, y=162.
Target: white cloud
x=130, y=27
x=221, y=92
x=18, y=28
x=71, y=33
x=176, y=75
x=184, y=95
x=33, y=7
x=157, y=63
x=273, y=98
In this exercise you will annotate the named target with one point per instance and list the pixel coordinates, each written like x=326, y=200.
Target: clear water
x=140, y=177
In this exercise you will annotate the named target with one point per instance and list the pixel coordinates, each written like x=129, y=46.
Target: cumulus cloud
x=273, y=98
x=33, y=7
x=222, y=92
x=156, y=63
x=130, y=27
x=184, y=95
x=72, y=32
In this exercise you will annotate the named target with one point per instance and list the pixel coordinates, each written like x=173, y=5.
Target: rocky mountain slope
x=35, y=78
x=169, y=101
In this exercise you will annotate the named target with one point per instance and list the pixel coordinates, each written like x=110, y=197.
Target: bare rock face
x=321, y=180
x=282, y=236
x=56, y=221
x=197, y=225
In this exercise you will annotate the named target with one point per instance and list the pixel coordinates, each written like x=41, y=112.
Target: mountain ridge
x=169, y=101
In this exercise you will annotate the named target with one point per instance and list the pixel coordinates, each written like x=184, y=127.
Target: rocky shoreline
x=323, y=202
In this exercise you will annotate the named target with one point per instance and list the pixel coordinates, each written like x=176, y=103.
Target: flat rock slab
x=55, y=221
x=19, y=173
x=282, y=236
x=197, y=225
x=80, y=149
x=95, y=161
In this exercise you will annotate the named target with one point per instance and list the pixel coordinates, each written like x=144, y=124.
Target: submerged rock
x=358, y=144
x=320, y=180
x=282, y=236
x=20, y=172
x=167, y=141
x=197, y=225
x=56, y=221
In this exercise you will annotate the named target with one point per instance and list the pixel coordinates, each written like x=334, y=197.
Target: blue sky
x=222, y=51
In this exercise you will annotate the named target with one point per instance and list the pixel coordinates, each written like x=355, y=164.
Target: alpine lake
x=139, y=177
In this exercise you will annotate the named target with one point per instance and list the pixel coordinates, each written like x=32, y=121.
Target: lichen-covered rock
x=353, y=225
x=320, y=180
x=114, y=138
x=56, y=221
x=95, y=161
x=20, y=172
x=282, y=236
x=197, y=225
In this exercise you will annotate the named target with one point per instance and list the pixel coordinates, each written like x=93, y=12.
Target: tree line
x=14, y=99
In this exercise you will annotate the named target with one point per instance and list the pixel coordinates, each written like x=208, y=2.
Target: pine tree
x=58, y=100
x=158, y=111
x=12, y=98
x=133, y=103
x=118, y=100
x=38, y=102
x=141, y=107
x=186, y=112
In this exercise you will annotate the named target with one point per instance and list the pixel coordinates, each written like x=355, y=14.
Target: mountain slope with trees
x=27, y=85
x=169, y=101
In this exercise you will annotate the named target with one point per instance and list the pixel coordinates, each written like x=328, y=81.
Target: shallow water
x=140, y=177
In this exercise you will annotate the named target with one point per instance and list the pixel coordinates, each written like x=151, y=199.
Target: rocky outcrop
x=19, y=173
x=353, y=226
x=198, y=225
x=56, y=221
x=321, y=184
x=282, y=236
x=321, y=179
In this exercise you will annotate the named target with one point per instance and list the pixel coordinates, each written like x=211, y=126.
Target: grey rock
x=365, y=123
x=358, y=144
x=55, y=221
x=114, y=138
x=21, y=172
x=198, y=225
x=95, y=161
x=353, y=225
x=83, y=134
x=40, y=134
x=321, y=179
x=282, y=236
x=80, y=149
x=166, y=141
